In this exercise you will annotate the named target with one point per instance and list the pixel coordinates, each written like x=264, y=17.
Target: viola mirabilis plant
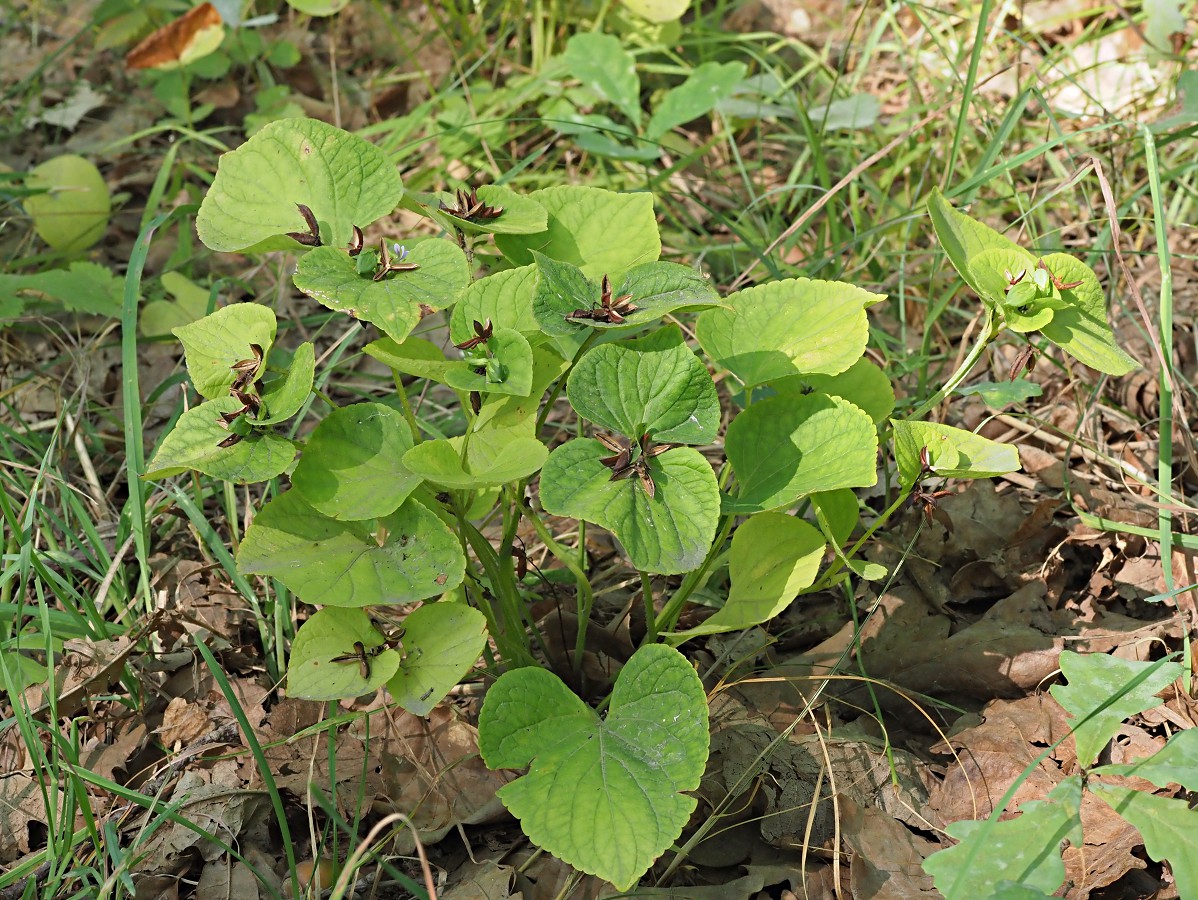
x=381, y=512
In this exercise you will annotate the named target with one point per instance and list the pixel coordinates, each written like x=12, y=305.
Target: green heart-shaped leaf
x=784, y=448
x=599, y=231
x=659, y=288
x=621, y=776
x=411, y=555
x=330, y=276
x=415, y=356
x=315, y=671
x=343, y=179
x=501, y=411
x=1081, y=329
x=521, y=214
x=503, y=299
x=988, y=270
x=189, y=302
x=863, y=384
x=440, y=462
x=72, y=214
x=511, y=352
x=668, y=533
x=193, y=445
x=561, y=290
x=774, y=556
x=794, y=327
x=441, y=643
x=963, y=238
x=653, y=384
x=283, y=393
x=352, y=467
x=214, y=343
x=953, y=452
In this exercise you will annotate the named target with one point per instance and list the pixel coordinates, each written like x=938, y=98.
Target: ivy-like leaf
x=1174, y=763
x=1030, y=844
x=1169, y=828
x=667, y=534
x=794, y=327
x=83, y=287
x=411, y=555
x=707, y=85
x=784, y=448
x=653, y=384
x=601, y=794
x=601, y=63
x=343, y=179
x=1103, y=690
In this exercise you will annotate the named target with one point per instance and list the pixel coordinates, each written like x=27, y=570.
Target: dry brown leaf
x=484, y=880
x=20, y=805
x=990, y=756
x=223, y=811
x=183, y=722
x=87, y=667
x=428, y=769
x=887, y=857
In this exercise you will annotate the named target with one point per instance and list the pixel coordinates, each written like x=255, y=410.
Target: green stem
x=694, y=578
x=509, y=636
x=402, y=393
x=673, y=607
x=561, y=382
x=841, y=560
x=650, y=615
x=585, y=596
x=992, y=330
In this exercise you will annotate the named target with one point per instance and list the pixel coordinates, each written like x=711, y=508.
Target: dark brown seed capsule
x=310, y=238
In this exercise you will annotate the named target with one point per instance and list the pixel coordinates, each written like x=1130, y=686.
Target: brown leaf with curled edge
x=87, y=667
x=177, y=42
